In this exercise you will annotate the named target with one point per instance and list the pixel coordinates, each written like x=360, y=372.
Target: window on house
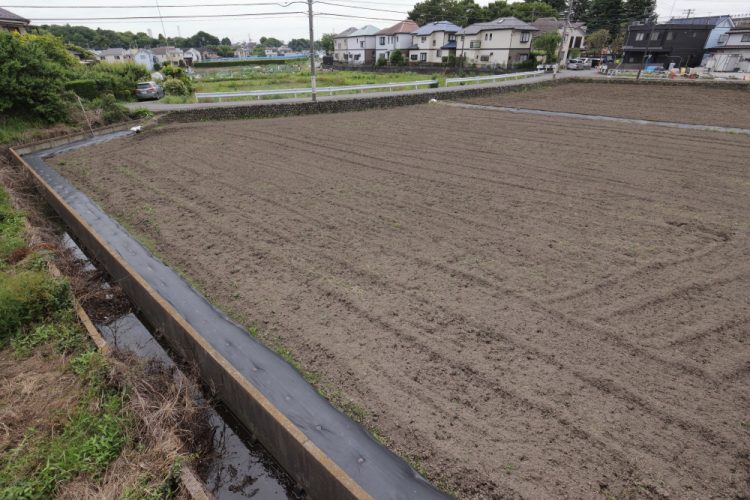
x=451, y=38
x=424, y=39
x=361, y=45
x=437, y=53
x=640, y=36
x=490, y=36
x=670, y=35
x=485, y=36
x=745, y=38
x=423, y=56
x=525, y=37
x=382, y=40
x=434, y=42
x=413, y=57
x=484, y=58
x=475, y=44
x=655, y=35
x=356, y=57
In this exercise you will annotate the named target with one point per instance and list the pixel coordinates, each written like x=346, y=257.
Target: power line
x=188, y=17
x=245, y=4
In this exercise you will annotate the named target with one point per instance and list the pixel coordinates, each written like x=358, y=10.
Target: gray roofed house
x=115, y=55
x=368, y=30
x=431, y=28
x=355, y=45
x=501, y=23
x=504, y=43
x=13, y=22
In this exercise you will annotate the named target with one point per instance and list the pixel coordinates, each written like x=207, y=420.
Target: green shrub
x=33, y=71
x=118, y=79
x=85, y=89
x=382, y=61
x=11, y=228
x=173, y=86
x=397, y=58
x=28, y=297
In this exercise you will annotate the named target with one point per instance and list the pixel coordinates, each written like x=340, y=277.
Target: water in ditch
x=239, y=467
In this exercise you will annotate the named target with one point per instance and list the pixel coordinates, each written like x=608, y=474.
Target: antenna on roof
x=688, y=12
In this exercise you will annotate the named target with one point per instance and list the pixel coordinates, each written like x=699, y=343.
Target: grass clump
x=11, y=227
x=28, y=298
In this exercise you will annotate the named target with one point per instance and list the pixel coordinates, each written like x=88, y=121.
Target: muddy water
x=239, y=466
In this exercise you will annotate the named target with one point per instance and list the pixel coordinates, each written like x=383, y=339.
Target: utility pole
x=564, y=38
x=313, y=82
x=648, y=46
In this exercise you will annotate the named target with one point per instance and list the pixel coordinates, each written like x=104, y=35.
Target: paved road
x=156, y=106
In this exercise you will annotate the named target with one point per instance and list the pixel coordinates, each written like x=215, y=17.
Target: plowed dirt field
x=525, y=315
x=684, y=103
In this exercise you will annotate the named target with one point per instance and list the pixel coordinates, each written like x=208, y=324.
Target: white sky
x=292, y=26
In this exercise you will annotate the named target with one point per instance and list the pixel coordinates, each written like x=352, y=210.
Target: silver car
x=148, y=90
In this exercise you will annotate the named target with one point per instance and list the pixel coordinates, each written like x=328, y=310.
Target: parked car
x=148, y=90
x=579, y=64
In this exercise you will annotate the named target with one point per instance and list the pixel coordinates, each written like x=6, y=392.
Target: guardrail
x=486, y=78
x=320, y=90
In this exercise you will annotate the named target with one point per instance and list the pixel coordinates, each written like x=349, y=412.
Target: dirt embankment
x=526, y=316
x=674, y=103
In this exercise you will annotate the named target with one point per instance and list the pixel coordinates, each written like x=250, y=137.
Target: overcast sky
x=287, y=27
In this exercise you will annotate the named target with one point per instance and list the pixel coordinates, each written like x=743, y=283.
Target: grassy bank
x=75, y=423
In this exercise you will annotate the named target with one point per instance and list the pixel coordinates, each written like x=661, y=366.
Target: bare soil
x=685, y=103
x=527, y=317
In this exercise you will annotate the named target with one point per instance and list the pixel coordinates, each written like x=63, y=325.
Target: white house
x=500, y=43
x=433, y=42
x=168, y=55
x=356, y=47
x=397, y=36
x=144, y=57
x=191, y=56
x=341, y=45
x=574, y=35
x=117, y=55
x=732, y=52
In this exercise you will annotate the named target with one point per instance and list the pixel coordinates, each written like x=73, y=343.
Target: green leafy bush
x=33, y=72
x=118, y=79
x=397, y=58
x=173, y=86
x=112, y=111
x=85, y=89
x=28, y=297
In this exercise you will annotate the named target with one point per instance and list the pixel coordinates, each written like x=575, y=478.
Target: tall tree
x=299, y=44
x=226, y=41
x=607, y=14
x=548, y=43
x=498, y=9
x=532, y=11
x=598, y=41
x=460, y=12
x=639, y=9
x=559, y=5
x=580, y=10
x=327, y=42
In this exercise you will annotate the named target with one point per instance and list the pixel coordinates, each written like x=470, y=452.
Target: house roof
x=546, y=24
x=502, y=23
x=346, y=33
x=113, y=52
x=161, y=51
x=709, y=20
x=406, y=26
x=431, y=28
x=6, y=15
x=366, y=31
